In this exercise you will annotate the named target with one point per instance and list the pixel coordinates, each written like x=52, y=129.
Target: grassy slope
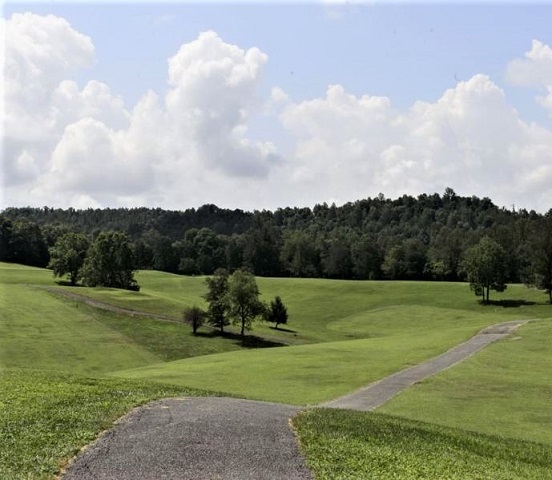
x=389, y=322
x=397, y=324
x=506, y=389
x=309, y=374
x=345, y=445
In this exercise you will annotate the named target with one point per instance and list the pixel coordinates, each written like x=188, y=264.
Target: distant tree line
x=409, y=238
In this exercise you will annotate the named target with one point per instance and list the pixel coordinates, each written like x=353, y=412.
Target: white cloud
x=471, y=137
x=534, y=70
x=82, y=144
x=213, y=88
x=191, y=144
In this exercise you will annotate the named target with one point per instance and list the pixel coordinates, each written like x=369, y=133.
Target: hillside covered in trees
x=416, y=238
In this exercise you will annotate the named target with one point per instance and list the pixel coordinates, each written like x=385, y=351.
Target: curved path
x=378, y=393
x=107, y=306
x=196, y=439
x=206, y=438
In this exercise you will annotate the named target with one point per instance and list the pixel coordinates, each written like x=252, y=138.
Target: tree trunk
x=243, y=327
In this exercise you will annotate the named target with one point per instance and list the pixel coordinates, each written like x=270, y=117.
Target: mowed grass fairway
x=55, y=352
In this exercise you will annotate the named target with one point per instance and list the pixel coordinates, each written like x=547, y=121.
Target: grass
x=39, y=329
x=342, y=335
x=45, y=418
x=309, y=374
x=345, y=445
x=504, y=390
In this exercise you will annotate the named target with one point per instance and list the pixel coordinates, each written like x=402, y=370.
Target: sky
x=267, y=105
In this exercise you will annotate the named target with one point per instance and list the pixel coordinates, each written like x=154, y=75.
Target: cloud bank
x=67, y=145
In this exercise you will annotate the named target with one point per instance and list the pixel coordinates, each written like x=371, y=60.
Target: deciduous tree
x=243, y=296
x=217, y=298
x=540, y=256
x=68, y=254
x=194, y=316
x=109, y=262
x=486, y=268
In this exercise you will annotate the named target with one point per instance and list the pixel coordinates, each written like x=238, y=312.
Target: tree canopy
x=217, y=299
x=243, y=297
x=109, y=262
x=486, y=268
x=68, y=254
x=410, y=238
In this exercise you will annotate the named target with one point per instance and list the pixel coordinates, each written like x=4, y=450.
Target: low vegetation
x=506, y=390
x=502, y=417
x=344, y=445
x=46, y=418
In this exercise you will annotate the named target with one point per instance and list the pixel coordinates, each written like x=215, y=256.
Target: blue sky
x=403, y=52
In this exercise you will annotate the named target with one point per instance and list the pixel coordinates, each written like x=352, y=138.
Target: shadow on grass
x=67, y=283
x=288, y=330
x=249, y=341
x=508, y=303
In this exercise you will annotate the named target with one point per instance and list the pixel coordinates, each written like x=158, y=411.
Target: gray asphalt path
x=380, y=392
x=196, y=438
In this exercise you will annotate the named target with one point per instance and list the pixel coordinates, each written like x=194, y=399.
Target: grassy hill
x=55, y=352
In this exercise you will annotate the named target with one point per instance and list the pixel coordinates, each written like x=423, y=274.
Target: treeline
x=410, y=238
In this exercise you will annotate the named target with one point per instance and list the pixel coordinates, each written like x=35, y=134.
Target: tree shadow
x=209, y=334
x=288, y=330
x=67, y=283
x=252, y=341
x=508, y=303
x=248, y=341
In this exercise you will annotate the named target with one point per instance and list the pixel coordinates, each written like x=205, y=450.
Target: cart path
x=196, y=438
x=380, y=392
x=205, y=438
x=106, y=306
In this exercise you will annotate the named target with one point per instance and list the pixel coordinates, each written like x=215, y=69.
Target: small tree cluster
x=106, y=262
x=235, y=298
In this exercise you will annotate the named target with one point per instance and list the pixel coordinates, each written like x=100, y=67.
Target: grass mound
x=342, y=444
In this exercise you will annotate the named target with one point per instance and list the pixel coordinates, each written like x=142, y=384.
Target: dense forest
x=415, y=238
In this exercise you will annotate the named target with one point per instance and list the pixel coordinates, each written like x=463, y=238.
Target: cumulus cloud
x=470, y=137
x=534, y=70
x=66, y=144
x=41, y=52
x=213, y=87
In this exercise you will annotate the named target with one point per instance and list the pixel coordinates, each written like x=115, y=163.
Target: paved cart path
x=196, y=439
x=207, y=438
x=380, y=392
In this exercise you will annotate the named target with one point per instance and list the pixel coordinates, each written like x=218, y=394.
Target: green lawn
x=346, y=445
x=341, y=335
x=504, y=390
x=46, y=418
x=309, y=374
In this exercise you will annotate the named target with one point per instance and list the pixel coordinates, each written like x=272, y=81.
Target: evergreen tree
x=277, y=312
